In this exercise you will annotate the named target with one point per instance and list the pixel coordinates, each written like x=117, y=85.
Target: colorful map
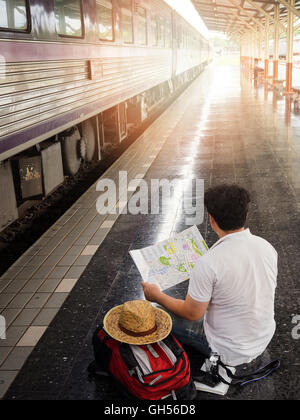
x=170, y=262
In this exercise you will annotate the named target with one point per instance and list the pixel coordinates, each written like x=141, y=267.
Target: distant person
x=232, y=286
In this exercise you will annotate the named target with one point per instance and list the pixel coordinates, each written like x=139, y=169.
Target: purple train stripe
x=19, y=138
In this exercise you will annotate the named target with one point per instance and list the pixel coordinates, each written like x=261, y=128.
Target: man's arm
x=188, y=309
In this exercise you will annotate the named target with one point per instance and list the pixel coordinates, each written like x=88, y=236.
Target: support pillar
x=276, y=42
x=255, y=69
x=290, y=50
x=267, y=51
x=289, y=79
x=248, y=62
x=266, y=69
x=253, y=54
x=275, y=70
x=258, y=52
x=288, y=110
x=260, y=41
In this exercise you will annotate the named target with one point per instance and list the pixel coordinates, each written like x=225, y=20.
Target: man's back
x=238, y=276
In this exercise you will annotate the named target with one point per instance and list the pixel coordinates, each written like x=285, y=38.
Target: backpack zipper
x=137, y=371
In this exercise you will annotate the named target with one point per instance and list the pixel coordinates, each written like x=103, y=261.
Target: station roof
x=229, y=15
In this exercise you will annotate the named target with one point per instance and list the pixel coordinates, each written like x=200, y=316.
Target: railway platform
x=221, y=130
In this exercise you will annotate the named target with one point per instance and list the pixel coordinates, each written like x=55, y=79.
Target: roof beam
x=266, y=14
x=290, y=8
x=244, y=22
x=257, y=22
x=214, y=12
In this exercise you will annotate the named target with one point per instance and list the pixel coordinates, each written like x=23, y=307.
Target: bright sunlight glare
x=186, y=9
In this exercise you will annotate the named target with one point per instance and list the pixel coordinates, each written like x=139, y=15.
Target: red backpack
x=148, y=372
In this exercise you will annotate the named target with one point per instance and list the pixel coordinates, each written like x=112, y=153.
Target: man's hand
x=151, y=291
x=188, y=309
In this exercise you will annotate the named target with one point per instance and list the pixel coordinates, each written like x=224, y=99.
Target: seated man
x=232, y=286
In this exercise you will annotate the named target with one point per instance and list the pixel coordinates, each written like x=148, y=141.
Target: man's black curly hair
x=228, y=205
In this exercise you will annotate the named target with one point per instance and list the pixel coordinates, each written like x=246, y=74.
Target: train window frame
x=179, y=37
x=29, y=23
x=145, y=25
x=132, y=25
x=154, y=34
x=113, y=25
x=82, y=36
x=161, y=41
x=168, y=32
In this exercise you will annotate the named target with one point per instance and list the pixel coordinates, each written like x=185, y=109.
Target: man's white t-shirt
x=238, y=276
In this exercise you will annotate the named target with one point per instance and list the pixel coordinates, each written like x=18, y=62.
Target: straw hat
x=137, y=322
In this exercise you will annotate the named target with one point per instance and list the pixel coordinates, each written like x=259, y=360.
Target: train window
x=127, y=21
x=179, y=37
x=168, y=34
x=161, y=33
x=13, y=15
x=142, y=26
x=154, y=30
x=68, y=18
x=105, y=19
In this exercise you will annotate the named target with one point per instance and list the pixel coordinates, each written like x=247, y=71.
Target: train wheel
x=89, y=137
x=71, y=151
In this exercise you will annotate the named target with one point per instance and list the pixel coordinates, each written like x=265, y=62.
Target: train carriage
x=74, y=74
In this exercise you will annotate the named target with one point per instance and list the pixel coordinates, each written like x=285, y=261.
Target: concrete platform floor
x=228, y=131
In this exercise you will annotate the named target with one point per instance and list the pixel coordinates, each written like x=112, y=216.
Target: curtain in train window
x=13, y=15
x=68, y=17
x=142, y=26
x=105, y=19
x=154, y=30
x=127, y=21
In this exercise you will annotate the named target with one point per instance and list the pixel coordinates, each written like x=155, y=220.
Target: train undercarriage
x=37, y=172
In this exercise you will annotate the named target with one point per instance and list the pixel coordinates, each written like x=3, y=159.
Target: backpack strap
x=171, y=342
x=242, y=380
x=128, y=356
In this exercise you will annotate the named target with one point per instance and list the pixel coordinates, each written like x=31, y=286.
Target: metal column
x=290, y=45
x=267, y=51
x=276, y=42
